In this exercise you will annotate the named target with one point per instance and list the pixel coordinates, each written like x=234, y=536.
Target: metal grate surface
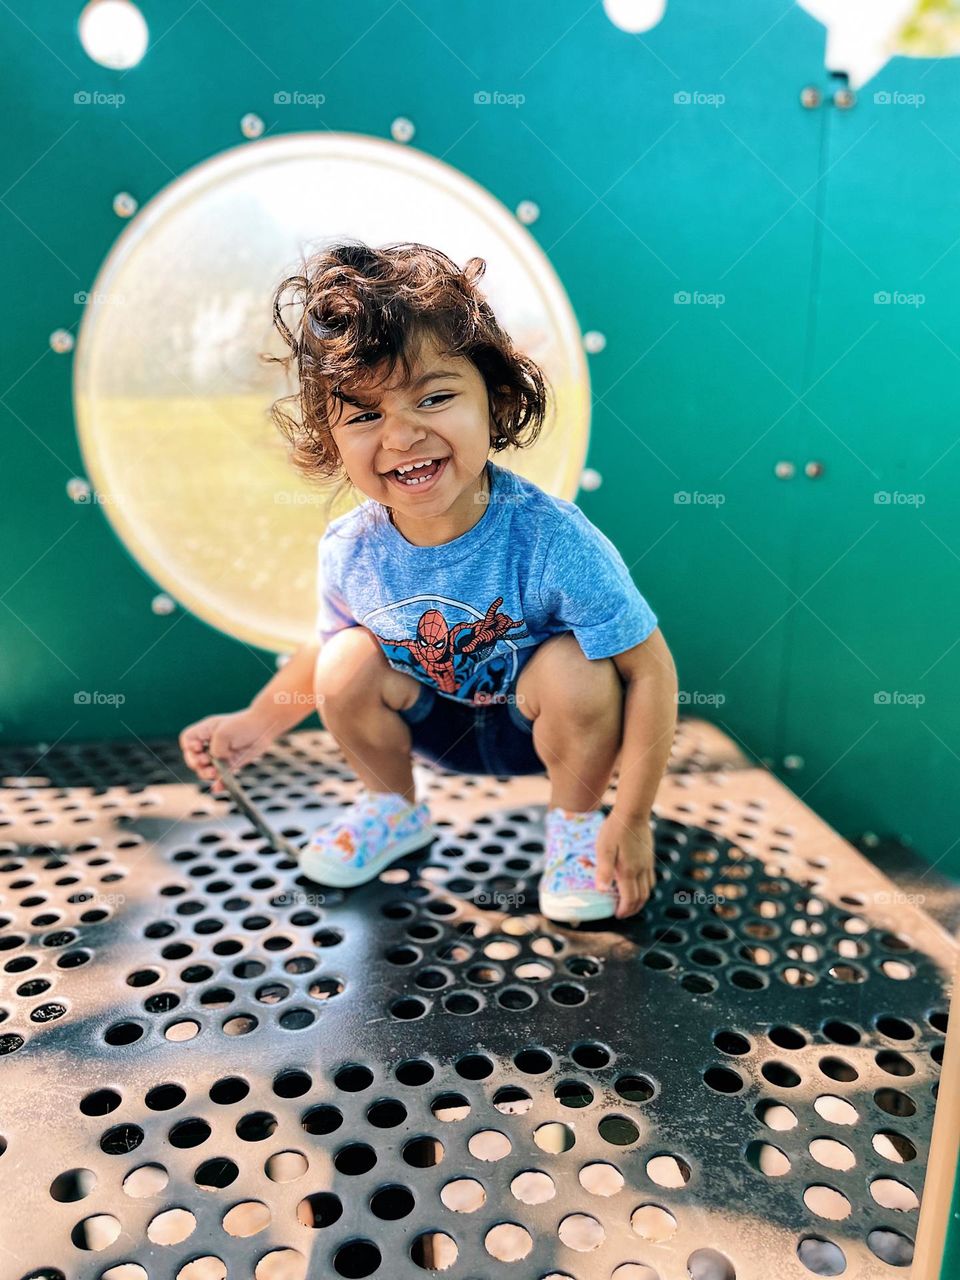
x=211, y=1066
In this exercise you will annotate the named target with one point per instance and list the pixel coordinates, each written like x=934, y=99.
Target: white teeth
x=402, y=473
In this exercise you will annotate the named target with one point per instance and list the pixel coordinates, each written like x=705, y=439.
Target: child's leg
x=359, y=695
x=576, y=705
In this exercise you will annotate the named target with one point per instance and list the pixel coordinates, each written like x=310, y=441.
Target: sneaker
x=568, y=885
x=355, y=845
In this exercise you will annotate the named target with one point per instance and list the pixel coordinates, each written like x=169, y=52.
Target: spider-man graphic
x=439, y=650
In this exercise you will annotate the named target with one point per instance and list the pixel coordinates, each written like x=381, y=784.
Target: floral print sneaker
x=568, y=886
x=356, y=845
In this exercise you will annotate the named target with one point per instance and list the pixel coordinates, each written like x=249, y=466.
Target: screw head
x=793, y=762
x=402, y=129
x=844, y=99
x=251, y=126
x=813, y=469
x=61, y=340
x=528, y=212
x=810, y=97
x=124, y=205
x=594, y=342
x=784, y=470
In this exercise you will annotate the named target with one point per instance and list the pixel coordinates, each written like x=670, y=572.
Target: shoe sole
x=587, y=904
x=345, y=877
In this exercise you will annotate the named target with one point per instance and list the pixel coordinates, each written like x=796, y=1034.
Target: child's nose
x=399, y=434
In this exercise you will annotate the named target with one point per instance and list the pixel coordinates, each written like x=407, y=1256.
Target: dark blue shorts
x=495, y=738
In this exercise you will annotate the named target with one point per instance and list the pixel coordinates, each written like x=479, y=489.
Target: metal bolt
x=61, y=340
x=813, y=469
x=810, y=97
x=594, y=342
x=590, y=479
x=124, y=205
x=784, y=470
x=844, y=99
x=162, y=604
x=251, y=126
x=793, y=762
x=528, y=212
x=402, y=129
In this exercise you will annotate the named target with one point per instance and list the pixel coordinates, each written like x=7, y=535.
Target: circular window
x=172, y=399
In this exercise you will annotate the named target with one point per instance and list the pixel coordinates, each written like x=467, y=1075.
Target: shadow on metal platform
x=212, y=1066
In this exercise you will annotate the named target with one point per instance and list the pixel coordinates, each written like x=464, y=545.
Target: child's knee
x=349, y=667
x=587, y=692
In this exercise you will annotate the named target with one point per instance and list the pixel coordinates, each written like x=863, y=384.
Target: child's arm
x=649, y=721
x=625, y=845
x=289, y=696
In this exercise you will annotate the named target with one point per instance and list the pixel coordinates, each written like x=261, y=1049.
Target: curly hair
x=360, y=308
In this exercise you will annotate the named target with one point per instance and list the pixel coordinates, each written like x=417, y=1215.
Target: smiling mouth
x=418, y=477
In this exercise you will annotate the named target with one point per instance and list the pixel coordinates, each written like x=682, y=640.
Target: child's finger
x=604, y=874
x=195, y=762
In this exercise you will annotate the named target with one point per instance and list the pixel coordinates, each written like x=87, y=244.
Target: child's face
x=446, y=418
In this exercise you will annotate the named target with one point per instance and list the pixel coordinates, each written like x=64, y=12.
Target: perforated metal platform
x=210, y=1066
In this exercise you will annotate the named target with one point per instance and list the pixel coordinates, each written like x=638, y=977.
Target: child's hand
x=625, y=851
x=238, y=738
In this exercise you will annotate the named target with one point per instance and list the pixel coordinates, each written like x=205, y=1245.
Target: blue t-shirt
x=465, y=616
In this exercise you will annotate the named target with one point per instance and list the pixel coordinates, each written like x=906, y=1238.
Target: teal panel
x=871, y=687
x=643, y=197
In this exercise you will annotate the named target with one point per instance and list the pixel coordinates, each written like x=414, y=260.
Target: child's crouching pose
x=464, y=613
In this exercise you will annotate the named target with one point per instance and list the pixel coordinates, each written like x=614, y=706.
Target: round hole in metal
x=320, y=1119
x=775, y=1115
x=511, y=1100
x=832, y=1154
x=722, y=1080
x=653, y=1222
x=826, y=1202
x=837, y=1110
x=423, y=1152
x=668, y=1170
x=73, y=1185
x=392, y=1202
x=463, y=1195
x=354, y=1159
x=601, y=1179
x=414, y=1072
x=767, y=1159
x=554, y=1137
x=533, y=1187
x=786, y=1037
x=731, y=1042
x=838, y=1069
x=710, y=1264
x=821, y=1257
x=894, y=1146
x=573, y=1093
x=355, y=1259
x=434, y=1251
x=508, y=1242
x=894, y=1103
x=618, y=1130
x=890, y=1246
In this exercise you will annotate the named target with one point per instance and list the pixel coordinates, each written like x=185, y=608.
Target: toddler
x=463, y=613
